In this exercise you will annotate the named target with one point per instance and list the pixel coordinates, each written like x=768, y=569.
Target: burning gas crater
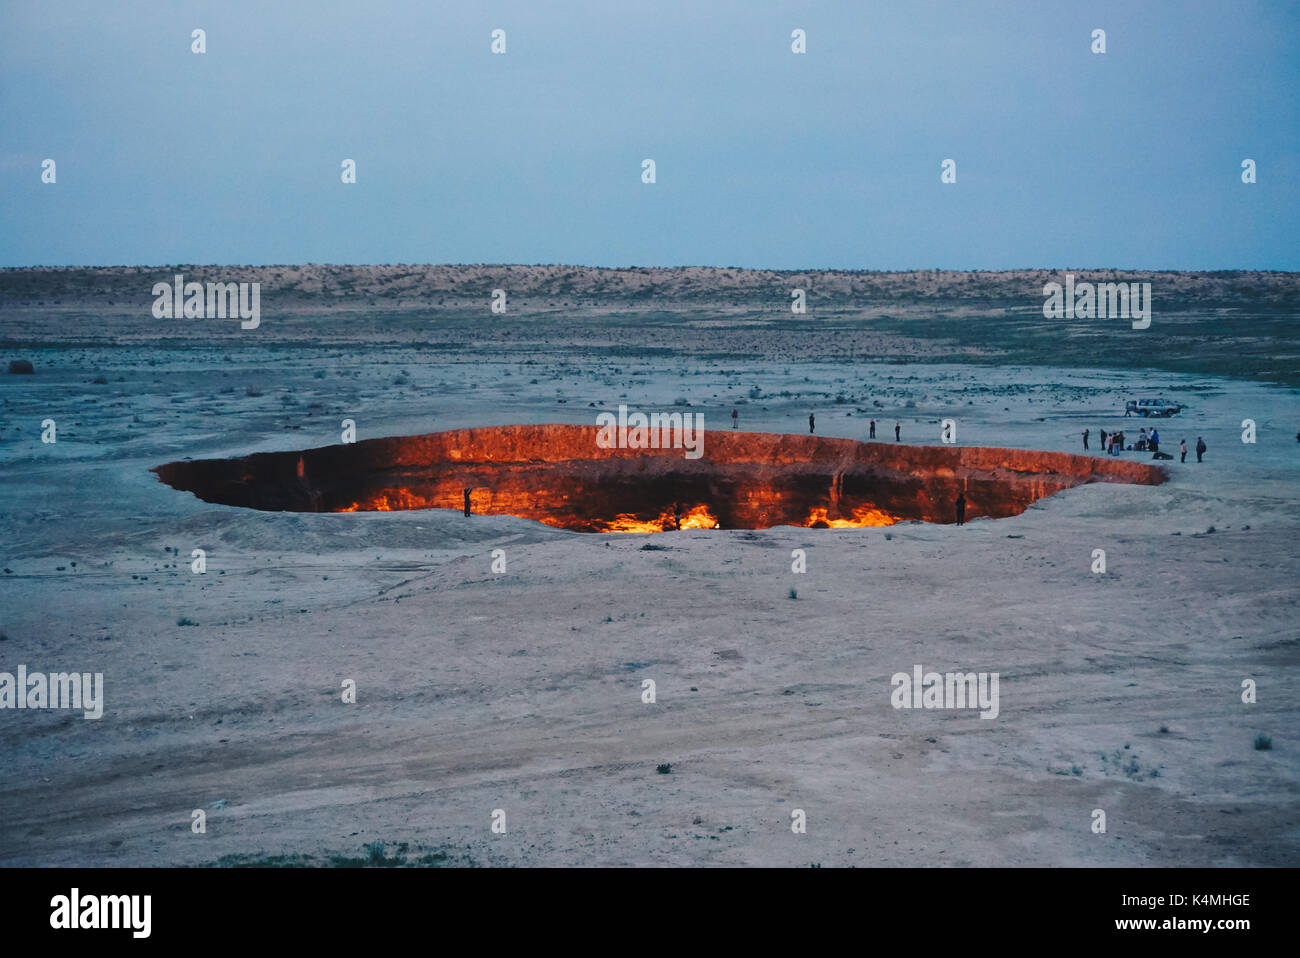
x=558, y=475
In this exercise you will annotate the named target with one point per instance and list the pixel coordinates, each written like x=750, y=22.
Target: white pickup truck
x=1151, y=407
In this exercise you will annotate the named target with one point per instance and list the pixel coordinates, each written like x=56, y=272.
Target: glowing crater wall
x=557, y=474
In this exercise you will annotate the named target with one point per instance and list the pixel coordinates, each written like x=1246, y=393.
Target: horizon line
x=746, y=269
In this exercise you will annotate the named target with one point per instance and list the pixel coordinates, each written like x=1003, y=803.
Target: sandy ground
x=522, y=691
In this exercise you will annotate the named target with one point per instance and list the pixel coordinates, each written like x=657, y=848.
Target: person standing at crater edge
x=811, y=421
x=897, y=431
x=872, y=435
x=467, y=492
x=961, y=508
x=1085, y=440
x=1182, y=447
x=735, y=417
x=1200, y=448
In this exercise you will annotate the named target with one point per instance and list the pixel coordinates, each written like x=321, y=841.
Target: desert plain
x=521, y=691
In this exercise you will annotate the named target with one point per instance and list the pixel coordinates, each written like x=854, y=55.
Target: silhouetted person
x=961, y=508
x=735, y=418
x=1085, y=440
x=873, y=431
x=467, y=492
x=1153, y=441
x=677, y=516
x=897, y=430
x=811, y=421
x=1102, y=434
x=1182, y=447
x=1200, y=448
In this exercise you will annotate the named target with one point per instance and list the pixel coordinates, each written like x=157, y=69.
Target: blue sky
x=764, y=158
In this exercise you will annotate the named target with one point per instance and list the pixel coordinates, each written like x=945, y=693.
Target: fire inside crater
x=560, y=475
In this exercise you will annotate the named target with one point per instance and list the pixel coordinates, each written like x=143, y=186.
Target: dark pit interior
x=557, y=474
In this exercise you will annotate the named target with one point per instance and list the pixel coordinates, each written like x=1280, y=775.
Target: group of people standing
x=1113, y=444
x=871, y=428
x=898, y=431
x=812, y=427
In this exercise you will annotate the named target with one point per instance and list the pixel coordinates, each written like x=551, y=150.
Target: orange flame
x=697, y=517
x=391, y=502
x=862, y=516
